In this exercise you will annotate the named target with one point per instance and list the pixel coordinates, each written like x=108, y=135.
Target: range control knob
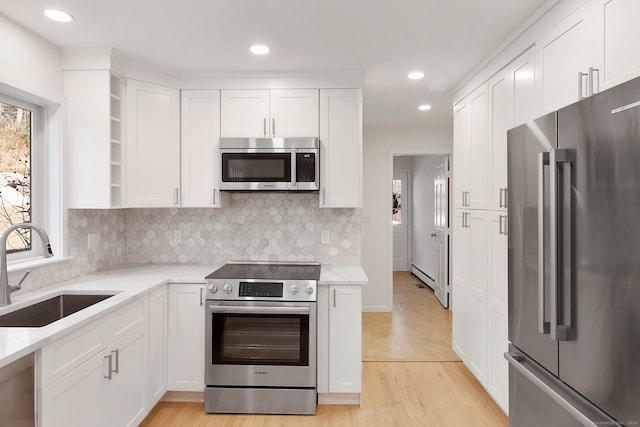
x=293, y=289
x=212, y=288
x=308, y=290
x=227, y=288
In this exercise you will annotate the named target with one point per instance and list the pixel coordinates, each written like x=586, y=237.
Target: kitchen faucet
x=5, y=287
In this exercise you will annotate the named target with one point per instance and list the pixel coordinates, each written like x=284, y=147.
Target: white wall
x=423, y=247
x=380, y=144
x=29, y=65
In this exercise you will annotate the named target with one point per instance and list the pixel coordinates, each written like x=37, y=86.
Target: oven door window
x=260, y=339
x=256, y=167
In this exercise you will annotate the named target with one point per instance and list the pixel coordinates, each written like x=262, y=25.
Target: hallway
x=411, y=377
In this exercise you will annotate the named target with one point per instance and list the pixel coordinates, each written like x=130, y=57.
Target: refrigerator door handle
x=559, y=332
x=543, y=325
x=588, y=416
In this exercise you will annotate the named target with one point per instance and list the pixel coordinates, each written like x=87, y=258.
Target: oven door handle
x=258, y=310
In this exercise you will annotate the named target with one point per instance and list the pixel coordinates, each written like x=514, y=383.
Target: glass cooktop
x=267, y=270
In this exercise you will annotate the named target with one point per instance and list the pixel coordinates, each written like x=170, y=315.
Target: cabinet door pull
x=273, y=126
x=201, y=291
x=580, y=77
x=117, y=353
x=334, y=299
x=592, y=71
x=264, y=126
x=214, y=196
x=110, y=367
x=175, y=197
x=324, y=196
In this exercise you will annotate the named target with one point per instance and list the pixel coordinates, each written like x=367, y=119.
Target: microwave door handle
x=294, y=167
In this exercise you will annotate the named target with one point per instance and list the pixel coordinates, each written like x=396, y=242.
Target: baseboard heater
x=428, y=280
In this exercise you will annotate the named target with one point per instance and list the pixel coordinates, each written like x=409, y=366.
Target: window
x=396, y=201
x=17, y=135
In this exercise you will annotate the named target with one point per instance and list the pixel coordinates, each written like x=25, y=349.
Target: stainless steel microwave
x=270, y=164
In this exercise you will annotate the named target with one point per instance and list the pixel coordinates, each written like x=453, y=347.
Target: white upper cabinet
x=244, y=113
x=153, y=145
x=501, y=119
x=617, y=41
x=94, y=138
x=565, y=55
x=522, y=76
x=512, y=100
x=461, y=153
x=470, y=149
x=200, y=155
x=294, y=113
x=269, y=113
x=340, y=148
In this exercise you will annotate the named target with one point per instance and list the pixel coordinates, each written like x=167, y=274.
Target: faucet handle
x=19, y=285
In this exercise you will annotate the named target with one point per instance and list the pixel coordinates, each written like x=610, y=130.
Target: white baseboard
x=183, y=396
x=339, y=399
x=423, y=276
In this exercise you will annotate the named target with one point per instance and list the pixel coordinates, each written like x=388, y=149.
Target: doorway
x=420, y=220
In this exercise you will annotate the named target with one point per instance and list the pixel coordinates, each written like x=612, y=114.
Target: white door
x=399, y=216
x=441, y=233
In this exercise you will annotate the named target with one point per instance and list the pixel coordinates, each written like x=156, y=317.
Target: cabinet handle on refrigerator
x=273, y=126
x=110, y=367
x=264, y=126
x=543, y=326
x=592, y=71
x=559, y=332
x=581, y=75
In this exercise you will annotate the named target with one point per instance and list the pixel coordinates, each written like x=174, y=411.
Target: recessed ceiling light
x=58, y=15
x=259, y=49
x=424, y=107
x=416, y=75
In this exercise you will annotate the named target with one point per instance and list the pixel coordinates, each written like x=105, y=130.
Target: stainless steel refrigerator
x=574, y=264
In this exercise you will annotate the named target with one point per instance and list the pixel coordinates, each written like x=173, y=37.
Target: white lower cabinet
x=74, y=400
x=124, y=386
x=339, y=344
x=158, y=344
x=469, y=328
x=186, y=337
x=106, y=384
x=498, y=372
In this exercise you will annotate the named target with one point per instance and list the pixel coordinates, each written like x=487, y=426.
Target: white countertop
x=128, y=283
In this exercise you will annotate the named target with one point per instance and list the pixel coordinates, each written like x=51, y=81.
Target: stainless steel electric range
x=260, y=338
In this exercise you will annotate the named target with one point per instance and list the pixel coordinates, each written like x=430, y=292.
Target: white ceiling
x=381, y=40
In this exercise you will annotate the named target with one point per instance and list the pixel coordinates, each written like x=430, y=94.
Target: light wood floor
x=418, y=329
x=410, y=377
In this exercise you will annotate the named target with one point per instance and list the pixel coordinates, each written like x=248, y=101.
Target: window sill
x=26, y=264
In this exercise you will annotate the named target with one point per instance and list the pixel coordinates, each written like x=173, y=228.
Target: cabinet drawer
x=126, y=319
x=62, y=356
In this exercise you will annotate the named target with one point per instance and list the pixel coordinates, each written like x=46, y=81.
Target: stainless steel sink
x=48, y=311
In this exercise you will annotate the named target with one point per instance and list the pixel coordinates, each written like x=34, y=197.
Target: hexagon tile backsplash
x=256, y=227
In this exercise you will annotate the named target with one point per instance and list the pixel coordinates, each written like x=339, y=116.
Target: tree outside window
x=396, y=201
x=15, y=173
